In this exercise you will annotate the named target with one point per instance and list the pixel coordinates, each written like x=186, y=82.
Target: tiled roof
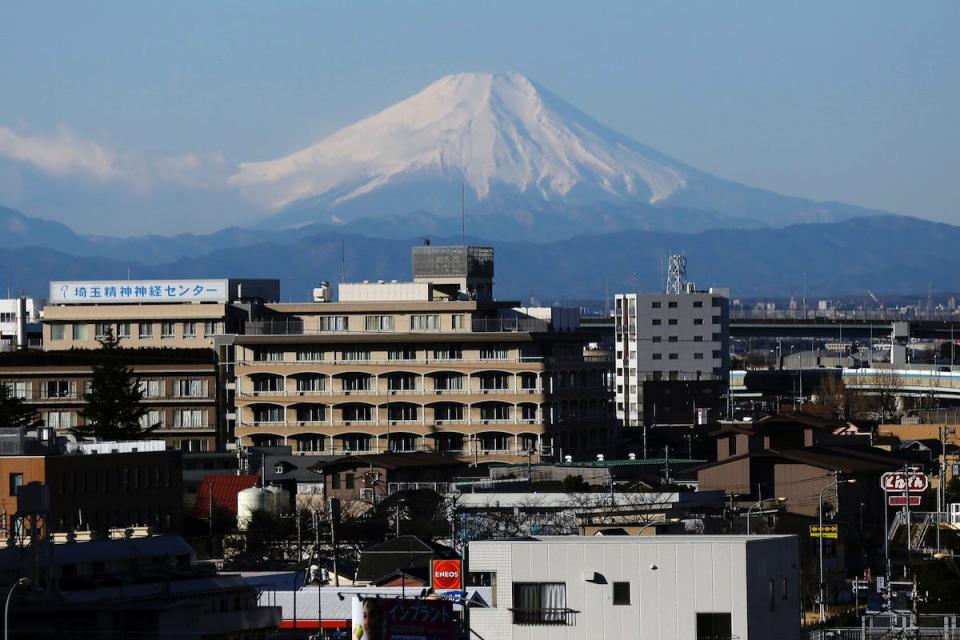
x=224, y=489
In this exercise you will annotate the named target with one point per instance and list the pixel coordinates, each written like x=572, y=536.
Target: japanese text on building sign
x=897, y=481
x=136, y=291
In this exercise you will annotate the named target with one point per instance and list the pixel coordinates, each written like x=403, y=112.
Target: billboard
x=402, y=619
x=137, y=291
x=827, y=531
x=447, y=574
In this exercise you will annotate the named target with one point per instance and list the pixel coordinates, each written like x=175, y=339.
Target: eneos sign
x=897, y=481
x=447, y=574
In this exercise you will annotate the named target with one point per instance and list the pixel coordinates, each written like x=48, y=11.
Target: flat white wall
x=693, y=574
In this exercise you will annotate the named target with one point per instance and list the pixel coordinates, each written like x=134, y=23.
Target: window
x=101, y=329
x=448, y=412
x=146, y=330
x=716, y=337
x=698, y=304
x=58, y=389
x=448, y=382
x=311, y=413
x=540, y=603
x=210, y=328
x=378, y=323
x=674, y=356
x=190, y=329
x=123, y=330
x=309, y=355
x=698, y=356
x=356, y=382
x=151, y=388
x=190, y=388
x=771, y=595
x=716, y=319
x=59, y=419
x=268, y=355
x=356, y=413
x=494, y=353
x=493, y=381
x=698, y=338
x=698, y=321
x=16, y=481
x=333, y=323
x=495, y=411
x=657, y=339
x=672, y=304
x=657, y=356
x=57, y=331
x=656, y=322
x=402, y=412
x=672, y=321
x=713, y=626
x=18, y=389
x=267, y=384
x=717, y=353
x=673, y=339
x=267, y=413
x=448, y=353
x=308, y=383
x=656, y=305
x=621, y=593
x=349, y=480
x=168, y=329
x=456, y=321
x=355, y=355
x=402, y=382
x=404, y=353
x=81, y=331
x=783, y=588
x=715, y=302
x=335, y=481
x=150, y=418
x=190, y=418
x=425, y=322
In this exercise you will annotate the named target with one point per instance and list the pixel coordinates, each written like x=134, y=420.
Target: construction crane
x=879, y=304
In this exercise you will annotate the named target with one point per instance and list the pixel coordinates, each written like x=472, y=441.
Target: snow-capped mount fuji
x=523, y=155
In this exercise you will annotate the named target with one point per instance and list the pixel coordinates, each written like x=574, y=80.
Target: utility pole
x=333, y=542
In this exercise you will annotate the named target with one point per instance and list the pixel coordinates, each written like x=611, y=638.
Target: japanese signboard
x=827, y=531
x=447, y=574
x=402, y=619
x=137, y=291
x=898, y=480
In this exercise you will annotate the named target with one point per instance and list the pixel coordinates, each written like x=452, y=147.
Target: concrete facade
x=663, y=336
x=655, y=588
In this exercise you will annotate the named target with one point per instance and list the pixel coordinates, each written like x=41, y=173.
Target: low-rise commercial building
x=620, y=587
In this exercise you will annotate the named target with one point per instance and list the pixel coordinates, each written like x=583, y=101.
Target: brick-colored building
x=369, y=476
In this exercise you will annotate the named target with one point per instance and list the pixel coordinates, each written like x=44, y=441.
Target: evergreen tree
x=115, y=401
x=13, y=411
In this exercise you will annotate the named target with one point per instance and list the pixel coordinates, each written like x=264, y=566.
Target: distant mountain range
x=888, y=254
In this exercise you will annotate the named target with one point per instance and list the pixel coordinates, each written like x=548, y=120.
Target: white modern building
x=15, y=316
x=650, y=588
x=680, y=336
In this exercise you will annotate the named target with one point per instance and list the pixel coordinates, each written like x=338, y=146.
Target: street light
x=22, y=582
x=653, y=522
x=779, y=500
x=835, y=483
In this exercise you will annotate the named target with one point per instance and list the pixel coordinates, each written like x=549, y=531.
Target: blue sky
x=854, y=101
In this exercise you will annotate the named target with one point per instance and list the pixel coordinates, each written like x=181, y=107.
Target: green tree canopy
x=115, y=401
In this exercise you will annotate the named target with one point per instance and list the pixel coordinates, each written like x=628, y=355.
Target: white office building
x=668, y=336
x=15, y=316
x=638, y=587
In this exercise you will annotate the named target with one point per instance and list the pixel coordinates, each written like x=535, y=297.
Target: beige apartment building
x=430, y=365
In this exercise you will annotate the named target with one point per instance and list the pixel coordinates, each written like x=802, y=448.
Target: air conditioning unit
x=531, y=390
x=486, y=391
x=393, y=393
x=300, y=393
x=438, y=421
x=439, y=391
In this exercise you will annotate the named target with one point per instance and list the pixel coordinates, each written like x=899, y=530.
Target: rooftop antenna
x=463, y=215
x=677, y=274
x=343, y=259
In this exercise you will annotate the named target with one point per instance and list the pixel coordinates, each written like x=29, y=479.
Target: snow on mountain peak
x=493, y=131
